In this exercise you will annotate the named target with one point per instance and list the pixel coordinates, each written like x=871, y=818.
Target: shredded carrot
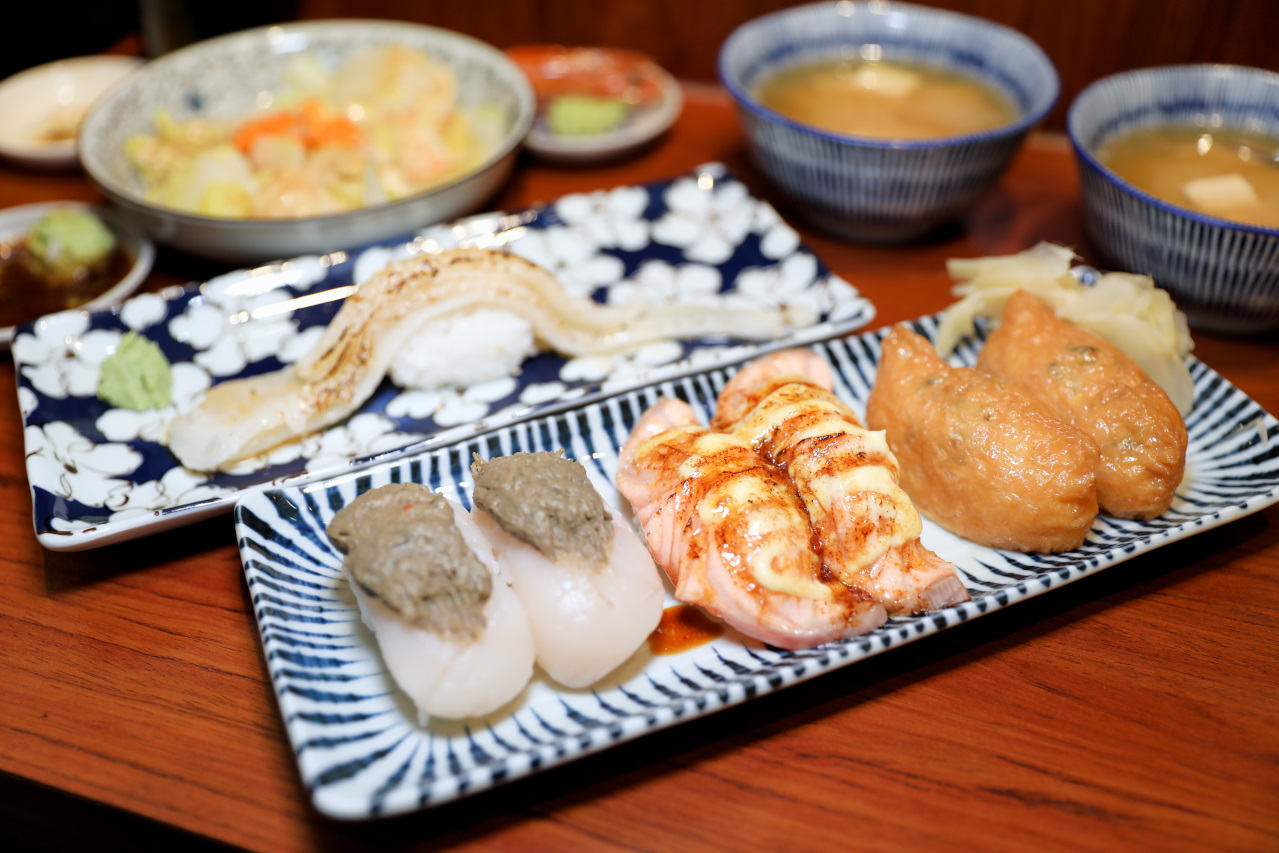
x=312, y=123
x=337, y=130
x=275, y=124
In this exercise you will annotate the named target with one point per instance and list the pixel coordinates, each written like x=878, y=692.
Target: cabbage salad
x=383, y=126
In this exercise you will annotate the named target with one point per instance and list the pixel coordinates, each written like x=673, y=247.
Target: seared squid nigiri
x=866, y=525
x=732, y=534
x=244, y=417
x=589, y=586
x=979, y=455
x=1089, y=383
x=452, y=633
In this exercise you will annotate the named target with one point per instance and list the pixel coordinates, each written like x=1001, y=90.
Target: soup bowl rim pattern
x=1086, y=153
x=1026, y=118
x=884, y=190
x=1223, y=273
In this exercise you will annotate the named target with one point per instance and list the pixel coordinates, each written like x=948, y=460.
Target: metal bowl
x=223, y=77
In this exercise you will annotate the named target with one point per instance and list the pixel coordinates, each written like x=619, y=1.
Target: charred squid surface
x=402, y=545
x=546, y=501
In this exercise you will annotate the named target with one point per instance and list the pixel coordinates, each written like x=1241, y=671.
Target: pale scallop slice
x=450, y=678
x=585, y=621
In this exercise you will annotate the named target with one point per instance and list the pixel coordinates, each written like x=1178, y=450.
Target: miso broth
x=885, y=100
x=1220, y=172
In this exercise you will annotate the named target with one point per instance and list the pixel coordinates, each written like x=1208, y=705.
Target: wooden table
x=1132, y=709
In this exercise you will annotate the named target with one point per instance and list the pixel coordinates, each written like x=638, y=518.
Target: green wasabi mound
x=584, y=115
x=66, y=241
x=136, y=376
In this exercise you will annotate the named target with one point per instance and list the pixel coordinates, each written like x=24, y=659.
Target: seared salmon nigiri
x=733, y=535
x=1088, y=382
x=979, y=455
x=847, y=478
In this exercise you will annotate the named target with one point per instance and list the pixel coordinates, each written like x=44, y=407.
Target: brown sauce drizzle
x=681, y=628
x=25, y=295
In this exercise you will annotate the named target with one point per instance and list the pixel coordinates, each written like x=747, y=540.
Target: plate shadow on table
x=36, y=818
x=68, y=571
x=704, y=739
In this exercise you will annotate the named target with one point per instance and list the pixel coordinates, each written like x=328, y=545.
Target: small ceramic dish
x=43, y=107
x=17, y=221
x=653, y=98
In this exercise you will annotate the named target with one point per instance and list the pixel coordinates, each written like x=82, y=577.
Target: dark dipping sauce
x=26, y=295
x=681, y=628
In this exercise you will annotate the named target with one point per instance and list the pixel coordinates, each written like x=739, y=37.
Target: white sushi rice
x=464, y=349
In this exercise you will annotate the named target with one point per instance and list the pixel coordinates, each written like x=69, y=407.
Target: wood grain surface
x=1134, y=709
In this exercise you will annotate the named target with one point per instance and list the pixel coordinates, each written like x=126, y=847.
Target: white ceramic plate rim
x=97, y=73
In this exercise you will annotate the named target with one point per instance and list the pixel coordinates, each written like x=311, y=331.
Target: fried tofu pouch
x=978, y=455
x=1092, y=385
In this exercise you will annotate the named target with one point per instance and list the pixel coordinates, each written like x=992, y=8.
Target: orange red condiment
x=681, y=628
x=313, y=125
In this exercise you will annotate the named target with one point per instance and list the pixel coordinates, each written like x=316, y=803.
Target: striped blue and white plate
x=360, y=750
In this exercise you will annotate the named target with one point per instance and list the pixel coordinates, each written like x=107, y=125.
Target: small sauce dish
x=646, y=97
x=16, y=222
x=43, y=107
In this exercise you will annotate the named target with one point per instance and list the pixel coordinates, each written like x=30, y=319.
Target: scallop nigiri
x=452, y=633
x=589, y=586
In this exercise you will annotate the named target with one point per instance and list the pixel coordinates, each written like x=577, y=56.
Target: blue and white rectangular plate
x=356, y=739
x=101, y=475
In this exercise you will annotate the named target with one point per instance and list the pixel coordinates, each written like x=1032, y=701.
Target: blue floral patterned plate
x=361, y=752
x=101, y=475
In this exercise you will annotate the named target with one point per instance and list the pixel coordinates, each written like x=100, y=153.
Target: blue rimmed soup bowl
x=1223, y=274
x=879, y=190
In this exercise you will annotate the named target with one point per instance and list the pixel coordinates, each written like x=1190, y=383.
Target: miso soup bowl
x=1224, y=275
x=879, y=190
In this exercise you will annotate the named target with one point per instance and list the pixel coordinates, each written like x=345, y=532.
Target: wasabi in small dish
x=595, y=103
x=65, y=255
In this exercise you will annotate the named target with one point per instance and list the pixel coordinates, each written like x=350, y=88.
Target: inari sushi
x=452, y=633
x=1089, y=383
x=590, y=587
x=980, y=456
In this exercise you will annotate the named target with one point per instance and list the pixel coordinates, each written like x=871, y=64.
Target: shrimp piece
x=732, y=534
x=866, y=526
x=1089, y=383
